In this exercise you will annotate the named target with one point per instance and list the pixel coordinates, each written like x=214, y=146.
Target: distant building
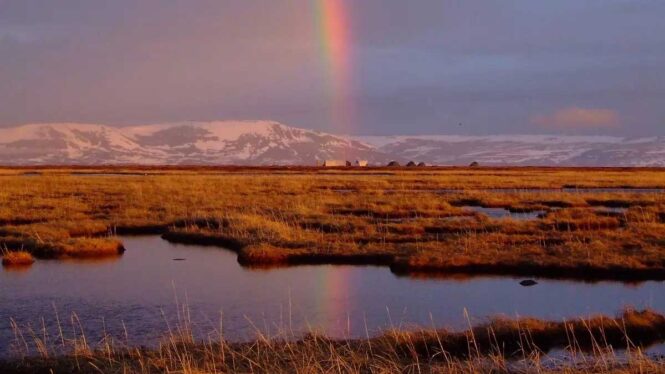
x=411, y=164
x=393, y=164
x=362, y=163
x=333, y=163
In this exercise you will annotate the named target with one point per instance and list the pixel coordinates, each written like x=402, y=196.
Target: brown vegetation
x=502, y=345
x=416, y=220
x=17, y=258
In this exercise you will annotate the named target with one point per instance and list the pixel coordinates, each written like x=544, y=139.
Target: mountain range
x=272, y=143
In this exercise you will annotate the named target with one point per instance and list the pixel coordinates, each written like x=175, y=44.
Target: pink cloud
x=581, y=118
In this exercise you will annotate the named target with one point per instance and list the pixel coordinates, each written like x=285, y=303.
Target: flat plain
x=580, y=224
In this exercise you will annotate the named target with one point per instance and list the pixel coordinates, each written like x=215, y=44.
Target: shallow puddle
x=505, y=213
x=580, y=190
x=413, y=219
x=588, y=190
x=143, y=287
x=611, y=210
x=110, y=174
x=615, y=190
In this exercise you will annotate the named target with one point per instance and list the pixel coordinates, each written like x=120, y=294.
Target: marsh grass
x=596, y=344
x=410, y=219
x=17, y=258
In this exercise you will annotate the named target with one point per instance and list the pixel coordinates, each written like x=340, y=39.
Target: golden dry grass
x=500, y=346
x=17, y=258
x=413, y=220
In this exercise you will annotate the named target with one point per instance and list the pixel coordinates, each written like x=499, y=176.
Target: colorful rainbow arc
x=332, y=23
x=334, y=29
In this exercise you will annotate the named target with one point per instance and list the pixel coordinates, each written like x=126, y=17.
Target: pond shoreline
x=504, y=339
x=401, y=266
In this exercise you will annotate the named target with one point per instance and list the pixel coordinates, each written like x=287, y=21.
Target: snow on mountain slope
x=268, y=143
x=246, y=142
x=227, y=142
x=536, y=150
x=66, y=143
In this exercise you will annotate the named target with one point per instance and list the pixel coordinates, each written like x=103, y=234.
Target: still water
x=139, y=293
x=505, y=213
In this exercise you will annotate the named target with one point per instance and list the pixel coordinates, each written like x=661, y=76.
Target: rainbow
x=334, y=300
x=333, y=24
x=334, y=39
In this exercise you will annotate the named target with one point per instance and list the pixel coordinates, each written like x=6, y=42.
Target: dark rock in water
x=528, y=283
x=179, y=259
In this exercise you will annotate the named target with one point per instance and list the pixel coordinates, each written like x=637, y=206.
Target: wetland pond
x=140, y=292
x=505, y=213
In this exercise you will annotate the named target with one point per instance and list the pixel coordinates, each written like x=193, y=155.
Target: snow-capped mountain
x=271, y=143
x=226, y=143
x=531, y=150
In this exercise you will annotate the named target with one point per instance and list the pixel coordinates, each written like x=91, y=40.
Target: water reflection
x=110, y=174
x=141, y=289
x=19, y=268
x=505, y=213
x=611, y=210
x=508, y=190
x=32, y=174
x=90, y=260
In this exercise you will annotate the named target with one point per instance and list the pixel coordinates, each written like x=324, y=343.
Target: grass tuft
x=17, y=258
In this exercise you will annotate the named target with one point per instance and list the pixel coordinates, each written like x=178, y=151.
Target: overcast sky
x=416, y=67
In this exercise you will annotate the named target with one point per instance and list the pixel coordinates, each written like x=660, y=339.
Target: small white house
x=362, y=163
x=333, y=163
